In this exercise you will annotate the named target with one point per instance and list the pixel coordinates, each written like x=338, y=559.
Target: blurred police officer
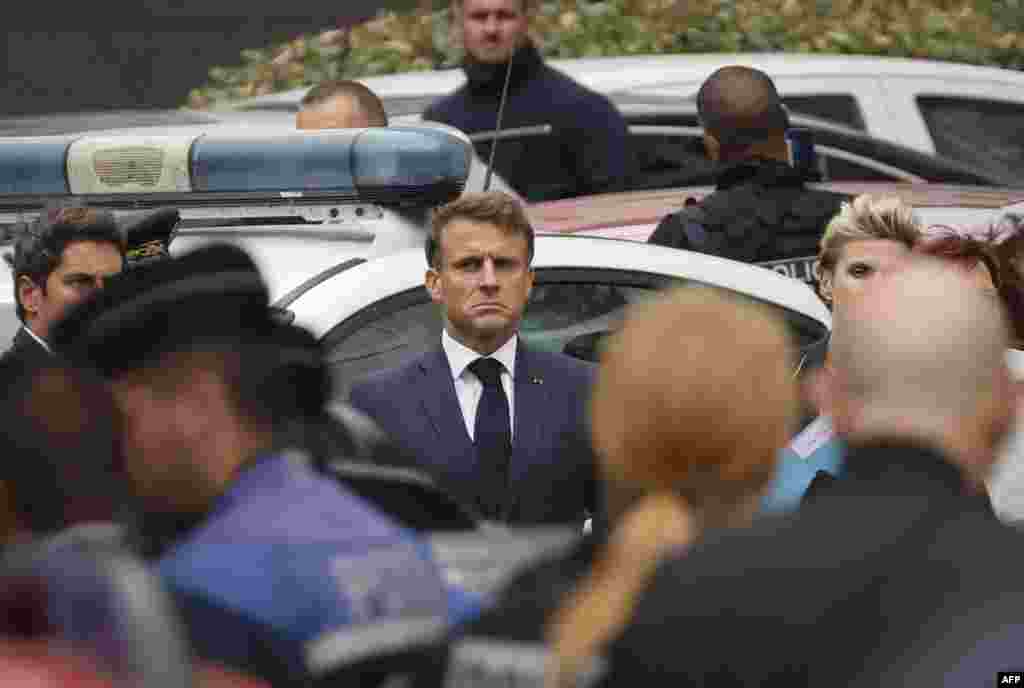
x=58, y=261
x=341, y=104
x=761, y=211
x=278, y=570
x=60, y=462
x=585, y=151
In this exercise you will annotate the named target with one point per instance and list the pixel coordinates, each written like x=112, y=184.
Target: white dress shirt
x=468, y=387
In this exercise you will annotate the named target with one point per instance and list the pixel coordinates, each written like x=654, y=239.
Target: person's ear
x=711, y=147
x=432, y=280
x=30, y=295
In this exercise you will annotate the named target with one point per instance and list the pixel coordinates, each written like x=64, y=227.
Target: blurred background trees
x=986, y=32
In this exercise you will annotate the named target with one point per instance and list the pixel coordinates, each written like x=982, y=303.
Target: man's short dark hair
x=39, y=246
x=496, y=207
x=367, y=100
x=739, y=106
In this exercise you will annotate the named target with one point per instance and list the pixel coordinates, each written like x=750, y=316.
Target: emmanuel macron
x=502, y=427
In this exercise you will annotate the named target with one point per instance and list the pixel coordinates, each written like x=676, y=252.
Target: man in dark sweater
x=582, y=149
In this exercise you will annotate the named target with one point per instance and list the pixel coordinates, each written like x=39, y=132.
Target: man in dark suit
x=58, y=261
x=836, y=593
x=502, y=427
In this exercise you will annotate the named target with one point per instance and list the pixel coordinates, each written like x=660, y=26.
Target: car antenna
x=497, y=126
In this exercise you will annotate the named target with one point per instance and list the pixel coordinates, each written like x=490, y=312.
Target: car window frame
x=823, y=151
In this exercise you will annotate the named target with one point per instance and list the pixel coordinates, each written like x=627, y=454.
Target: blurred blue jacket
x=290, y=568
x=815, y=448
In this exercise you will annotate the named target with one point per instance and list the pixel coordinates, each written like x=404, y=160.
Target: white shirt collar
x=460, y=356
x=39, y=339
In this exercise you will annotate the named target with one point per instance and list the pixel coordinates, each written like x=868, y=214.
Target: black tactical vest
x=761, y=212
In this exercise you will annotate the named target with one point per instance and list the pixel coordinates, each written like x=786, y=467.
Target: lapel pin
x=536, y=381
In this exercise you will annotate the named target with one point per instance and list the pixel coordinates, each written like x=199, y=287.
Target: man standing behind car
x=584, y=152
x=58, y=261
x=499, y=425
x=761, y=211
x=340, y=104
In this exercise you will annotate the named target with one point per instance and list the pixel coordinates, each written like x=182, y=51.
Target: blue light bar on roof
x=346, y=161
x=33, y=166
x=388, y=165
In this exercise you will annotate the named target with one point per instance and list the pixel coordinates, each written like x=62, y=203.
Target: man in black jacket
x=761, y=211
x=58, y=261
x=861, y=573
x=584, y=150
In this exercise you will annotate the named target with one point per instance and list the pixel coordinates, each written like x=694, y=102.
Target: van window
x=837, y=107
x=985, y=134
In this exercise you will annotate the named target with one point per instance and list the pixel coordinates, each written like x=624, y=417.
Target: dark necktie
x=492, y=436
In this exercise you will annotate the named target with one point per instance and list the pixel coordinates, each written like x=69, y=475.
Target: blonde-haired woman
x=869, y=238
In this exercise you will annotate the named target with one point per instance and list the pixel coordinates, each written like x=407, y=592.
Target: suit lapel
x=437, y=396
x=531, y=408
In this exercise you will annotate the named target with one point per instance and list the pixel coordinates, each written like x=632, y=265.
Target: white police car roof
x=327, y=304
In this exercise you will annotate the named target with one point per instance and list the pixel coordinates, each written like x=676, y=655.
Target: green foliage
x=986, y=32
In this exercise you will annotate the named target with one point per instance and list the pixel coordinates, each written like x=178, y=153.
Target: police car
x=963, y=112
x=300, y=202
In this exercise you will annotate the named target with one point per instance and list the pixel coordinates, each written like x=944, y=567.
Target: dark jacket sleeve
x=600, y=144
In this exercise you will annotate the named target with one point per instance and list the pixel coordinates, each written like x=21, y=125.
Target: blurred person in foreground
x=58, y=261
x=688, y=420
x=985, y=260
x=341, y=104
x=761, y=211
x=276, y=568
x=919, y=386
x=586, y=150
x=61, y=464
x=870, y=238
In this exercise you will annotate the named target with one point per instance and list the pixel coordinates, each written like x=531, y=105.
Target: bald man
x=925, y=398
x=761, y=211
x=340, y=105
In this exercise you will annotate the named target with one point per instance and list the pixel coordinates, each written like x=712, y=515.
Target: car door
x=570, y=310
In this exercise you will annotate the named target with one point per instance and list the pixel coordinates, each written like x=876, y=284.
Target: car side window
x=665, y=157
x=837, y=107
x=985, y=134
x=570, y=311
